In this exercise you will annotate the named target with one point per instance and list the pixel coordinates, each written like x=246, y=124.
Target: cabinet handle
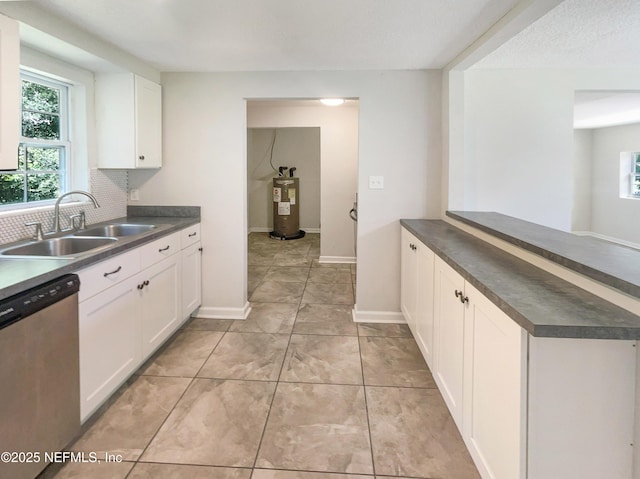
x=117, y=270
x=460, y=295
x=164, y=249
x=192, y=234
x=141, y=157
x=143, y=284
x=200, y=249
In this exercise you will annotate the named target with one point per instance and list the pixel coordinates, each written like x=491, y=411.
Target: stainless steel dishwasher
x=39, y=375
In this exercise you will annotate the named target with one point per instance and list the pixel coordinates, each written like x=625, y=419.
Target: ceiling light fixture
x=332, y=101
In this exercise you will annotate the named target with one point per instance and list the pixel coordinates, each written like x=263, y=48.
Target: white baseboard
x=607, y=238
x=209, y=312
x=337, y=259
x=395, y=317
x=260, y=229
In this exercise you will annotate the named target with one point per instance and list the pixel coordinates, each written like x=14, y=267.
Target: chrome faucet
x=56, y=209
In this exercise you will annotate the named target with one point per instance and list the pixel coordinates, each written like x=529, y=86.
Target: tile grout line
x=275, y=390
x=251, y=469
x=178, y=401
x=366, y=406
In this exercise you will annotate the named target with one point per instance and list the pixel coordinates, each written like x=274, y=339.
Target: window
x=43, y=166
x=635, y=174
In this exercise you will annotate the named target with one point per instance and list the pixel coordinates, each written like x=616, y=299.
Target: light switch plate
x=376, y=182
x=134, y=194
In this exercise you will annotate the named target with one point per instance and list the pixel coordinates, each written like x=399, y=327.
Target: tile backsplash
x=108, y=186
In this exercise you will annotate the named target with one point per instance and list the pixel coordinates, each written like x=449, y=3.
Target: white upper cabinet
x=9, y=93
x=129, y=121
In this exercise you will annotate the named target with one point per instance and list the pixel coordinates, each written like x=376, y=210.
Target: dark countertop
x=541, y=303
x=615, y=265
x=19, y=274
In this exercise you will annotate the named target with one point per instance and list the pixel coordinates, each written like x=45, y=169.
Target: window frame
x=63, y=144
x=634, y=175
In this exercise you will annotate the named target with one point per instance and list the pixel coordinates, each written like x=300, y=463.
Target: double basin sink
x=77, y=243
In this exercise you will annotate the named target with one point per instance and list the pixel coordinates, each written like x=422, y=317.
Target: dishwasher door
x=39, y=383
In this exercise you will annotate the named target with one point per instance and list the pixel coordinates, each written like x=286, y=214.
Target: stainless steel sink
x=57, y=247
x=116, y=230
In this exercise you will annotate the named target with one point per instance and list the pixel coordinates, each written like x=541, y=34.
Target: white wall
x=519, y=144
x=293, y=147
x=582, y=175
x=518, y=140
x=204, y=149
x=613, y=216
x=339, y=166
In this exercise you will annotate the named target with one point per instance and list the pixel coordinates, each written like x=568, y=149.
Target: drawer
x=159, y=249
x=189, y=236
x=107, y=273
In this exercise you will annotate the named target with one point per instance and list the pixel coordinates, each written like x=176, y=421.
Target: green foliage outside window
x=41, y=162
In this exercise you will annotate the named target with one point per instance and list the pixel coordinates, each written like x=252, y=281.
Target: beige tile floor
x=296, y=391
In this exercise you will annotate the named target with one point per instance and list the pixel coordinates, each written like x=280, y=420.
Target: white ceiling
x=271, y=35
x=575, y=34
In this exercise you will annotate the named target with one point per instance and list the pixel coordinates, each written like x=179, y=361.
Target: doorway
x=270, y=150
x=338, y=180
x=330, y=188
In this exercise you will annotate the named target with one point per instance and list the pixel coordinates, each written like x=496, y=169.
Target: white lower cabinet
x=409, y=279
x=191, y=279
x=449, y=336
x=110, y=342
x=527, y=407
x=191, y=270
x=494, y=385
x=480, y=356
x=425, y=300
x=417, y=263
x=129, y=305
x=161, y=305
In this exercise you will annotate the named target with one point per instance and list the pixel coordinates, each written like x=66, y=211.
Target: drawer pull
x=462, y=297
x=164, y=249
x=117, y=270
x=192, y=234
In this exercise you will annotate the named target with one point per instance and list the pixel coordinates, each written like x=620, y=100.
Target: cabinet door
x=495, y=389
x=449, y=337
x=115, y=120
x=9, y=93
x=191, y=279
x=424, y=301
x=161, y=305
x=109, y=329
x=408, y=278
x=148, y=114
